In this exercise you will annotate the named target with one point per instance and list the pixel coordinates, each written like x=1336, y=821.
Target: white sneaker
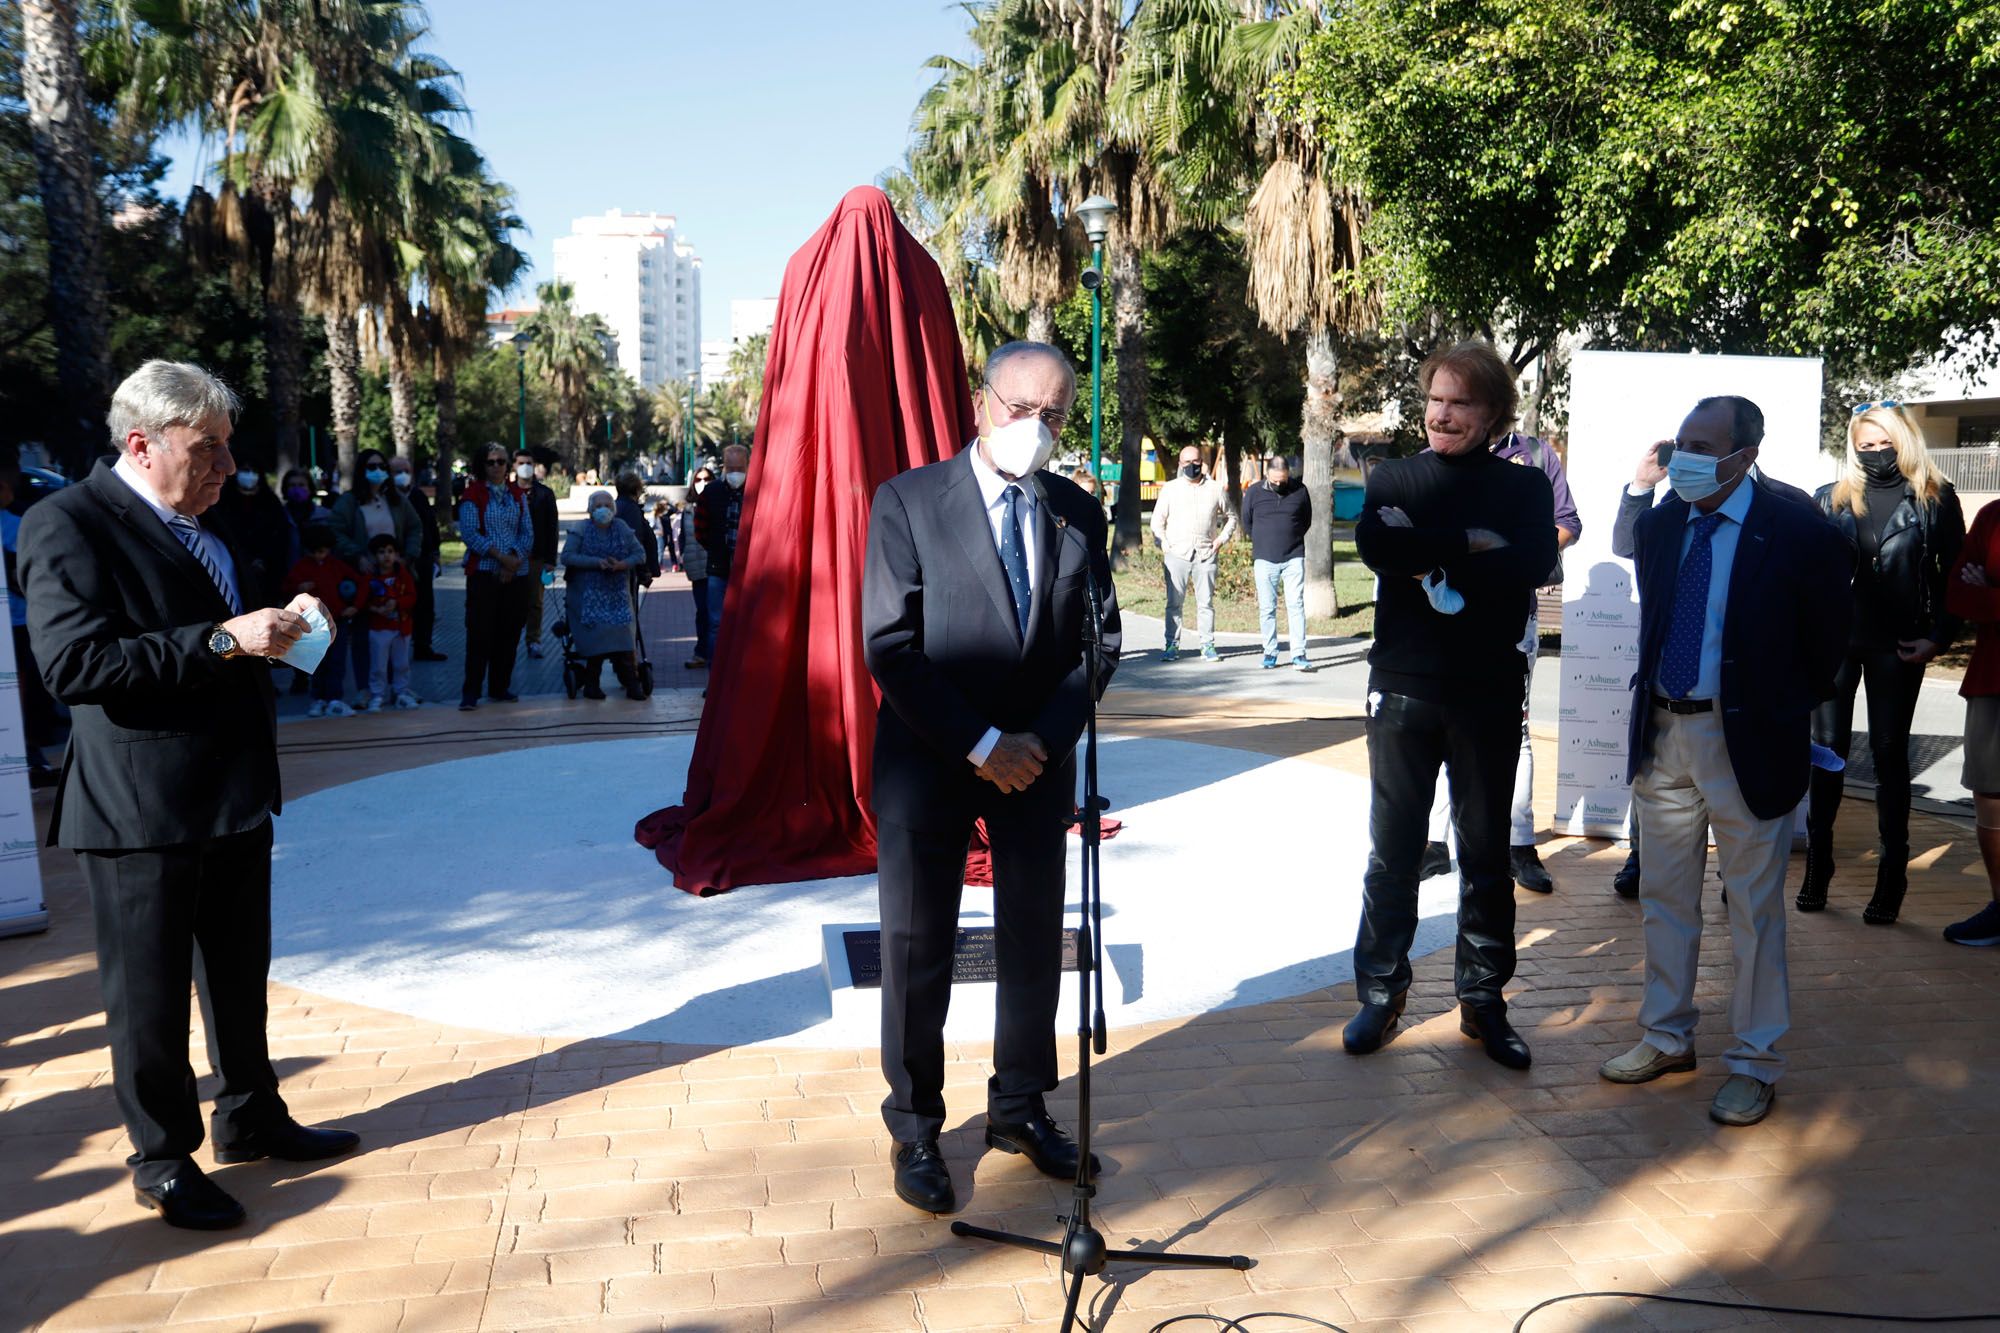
x=317, y=708
x=408, y=700
x=375, y=703
x=338, y=708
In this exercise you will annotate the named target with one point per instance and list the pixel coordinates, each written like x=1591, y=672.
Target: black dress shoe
x=190, y=1199
x=289, y=1141
x=1437, y=860
x=1364, y=1032
x=428, y=655
x=1525, y=863
x=1626, y=882
x=508, y=698
x=1043, y=1142
x=1488, y=1026
x=921, y=1178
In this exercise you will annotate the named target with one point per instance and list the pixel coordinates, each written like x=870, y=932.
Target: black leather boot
x=1364, y=1032
x=1892, y=881
x=1826, y=793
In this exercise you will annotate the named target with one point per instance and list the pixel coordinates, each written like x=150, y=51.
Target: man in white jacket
x=1192, y=520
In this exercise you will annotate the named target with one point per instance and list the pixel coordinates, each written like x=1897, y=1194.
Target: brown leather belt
x=1684, y=705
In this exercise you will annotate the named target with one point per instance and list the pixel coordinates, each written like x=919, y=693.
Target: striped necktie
x=190, y=534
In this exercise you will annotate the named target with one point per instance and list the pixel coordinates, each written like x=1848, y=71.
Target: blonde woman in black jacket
x=1904, y=520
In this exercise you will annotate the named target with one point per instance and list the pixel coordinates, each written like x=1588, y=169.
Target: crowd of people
x=156, y=593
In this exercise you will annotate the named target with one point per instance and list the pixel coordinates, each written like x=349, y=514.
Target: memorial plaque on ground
x=975, y=957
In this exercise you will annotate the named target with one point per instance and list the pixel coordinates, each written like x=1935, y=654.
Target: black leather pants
x=1893, y=687
x=1478, y=740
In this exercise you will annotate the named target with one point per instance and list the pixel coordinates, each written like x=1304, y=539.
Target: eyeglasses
x=1859, y=408
x=496, y=461
x=1051, y=418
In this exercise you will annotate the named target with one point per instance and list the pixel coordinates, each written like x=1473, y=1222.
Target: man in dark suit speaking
x=137, y=622
x=974, y=623
x=1744, y=608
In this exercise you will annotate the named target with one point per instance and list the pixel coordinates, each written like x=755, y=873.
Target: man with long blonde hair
x=1904, y=521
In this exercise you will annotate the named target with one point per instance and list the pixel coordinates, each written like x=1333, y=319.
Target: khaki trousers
x=1684, y=789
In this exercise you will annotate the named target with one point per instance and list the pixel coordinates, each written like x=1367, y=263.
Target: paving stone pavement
x=518, y=1182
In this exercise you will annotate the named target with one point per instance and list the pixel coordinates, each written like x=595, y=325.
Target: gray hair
x=160, y=394
x=1006, y=352
x=609, y=499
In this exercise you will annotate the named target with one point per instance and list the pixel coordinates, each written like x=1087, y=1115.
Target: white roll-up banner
x=21, y=907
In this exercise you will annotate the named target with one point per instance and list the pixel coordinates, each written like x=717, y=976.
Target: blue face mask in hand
x=1445, y=599
x=310, y=649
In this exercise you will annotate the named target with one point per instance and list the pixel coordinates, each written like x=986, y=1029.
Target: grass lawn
x=1142, y=589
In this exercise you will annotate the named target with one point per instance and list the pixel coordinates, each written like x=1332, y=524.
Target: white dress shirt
x=213, y=546
x=993, y=490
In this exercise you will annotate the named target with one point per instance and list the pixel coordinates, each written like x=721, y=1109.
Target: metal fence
x=1971, y=470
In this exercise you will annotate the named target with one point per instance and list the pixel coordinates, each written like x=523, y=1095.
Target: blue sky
x=748, y=120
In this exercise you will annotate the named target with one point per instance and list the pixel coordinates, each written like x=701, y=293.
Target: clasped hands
x=1016, y=760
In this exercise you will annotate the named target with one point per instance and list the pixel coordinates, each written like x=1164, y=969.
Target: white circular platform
x=1236, y=880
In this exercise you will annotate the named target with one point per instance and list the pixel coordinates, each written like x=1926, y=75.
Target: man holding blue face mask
x=137, y=617
x=1744, y=609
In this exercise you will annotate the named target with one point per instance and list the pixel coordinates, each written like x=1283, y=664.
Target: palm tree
x=984, y=321
x=567, y=351
x=1303, y=238
x=746, y=374
x=469, y=256
x=276, y=83
x=669, y=405
x=59, y=120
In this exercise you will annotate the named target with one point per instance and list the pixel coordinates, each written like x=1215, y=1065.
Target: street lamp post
x=521, y=340
x=1096, y=213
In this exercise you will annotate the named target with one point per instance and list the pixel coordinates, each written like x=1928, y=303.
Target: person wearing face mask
x=599, y=559
x=1192, y=521
x=694, y=559
x=1447, y=682
x=256, y=519
x=372, y=507
x=1904, y=519
x=717, y=519
x=1745, y=609
x=973, y=626
x=423, y=564
x=540, y=502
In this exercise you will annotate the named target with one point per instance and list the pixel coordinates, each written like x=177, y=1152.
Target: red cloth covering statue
x=865, y=379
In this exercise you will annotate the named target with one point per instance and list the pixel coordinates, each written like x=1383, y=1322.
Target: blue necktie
x=1014, y=557
x=190, y=534
x=1680, y=661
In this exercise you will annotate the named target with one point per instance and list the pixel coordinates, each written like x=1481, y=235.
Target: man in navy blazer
x=1744, y=603
x=974, y=623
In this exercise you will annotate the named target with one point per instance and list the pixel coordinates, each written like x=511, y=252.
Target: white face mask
x=525, y=472
x=1693, y=476
x=1019, y=448
x=735, y=479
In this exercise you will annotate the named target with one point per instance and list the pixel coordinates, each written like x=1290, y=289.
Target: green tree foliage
x=489, y=401
x=1728, y=175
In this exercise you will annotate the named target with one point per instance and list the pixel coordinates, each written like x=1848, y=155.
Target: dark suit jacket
x=169, y=744
x=1784, y=632
x=940, y=636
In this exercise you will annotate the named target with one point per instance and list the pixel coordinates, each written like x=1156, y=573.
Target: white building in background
x=641, y=276
x=749, y=318
x=714, y=362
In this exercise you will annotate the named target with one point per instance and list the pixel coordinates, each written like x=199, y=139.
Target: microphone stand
x=1082, y=1249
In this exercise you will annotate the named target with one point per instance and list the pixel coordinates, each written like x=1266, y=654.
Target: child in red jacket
x=326, y=576
x=392, y=594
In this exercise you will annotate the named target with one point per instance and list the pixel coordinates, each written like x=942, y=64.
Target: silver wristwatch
x=222, y=643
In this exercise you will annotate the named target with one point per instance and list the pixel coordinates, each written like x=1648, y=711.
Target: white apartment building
x=714, y=362
x=749, y=318
x=641, y=276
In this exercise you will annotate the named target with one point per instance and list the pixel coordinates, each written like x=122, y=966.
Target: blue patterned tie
x=1014, y=557
x=1680, y=661
x=190, y=534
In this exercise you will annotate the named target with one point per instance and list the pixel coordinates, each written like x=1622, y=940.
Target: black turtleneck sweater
x=1418, y=650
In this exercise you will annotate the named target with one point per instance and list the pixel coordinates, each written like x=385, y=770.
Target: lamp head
x=1096, y=213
